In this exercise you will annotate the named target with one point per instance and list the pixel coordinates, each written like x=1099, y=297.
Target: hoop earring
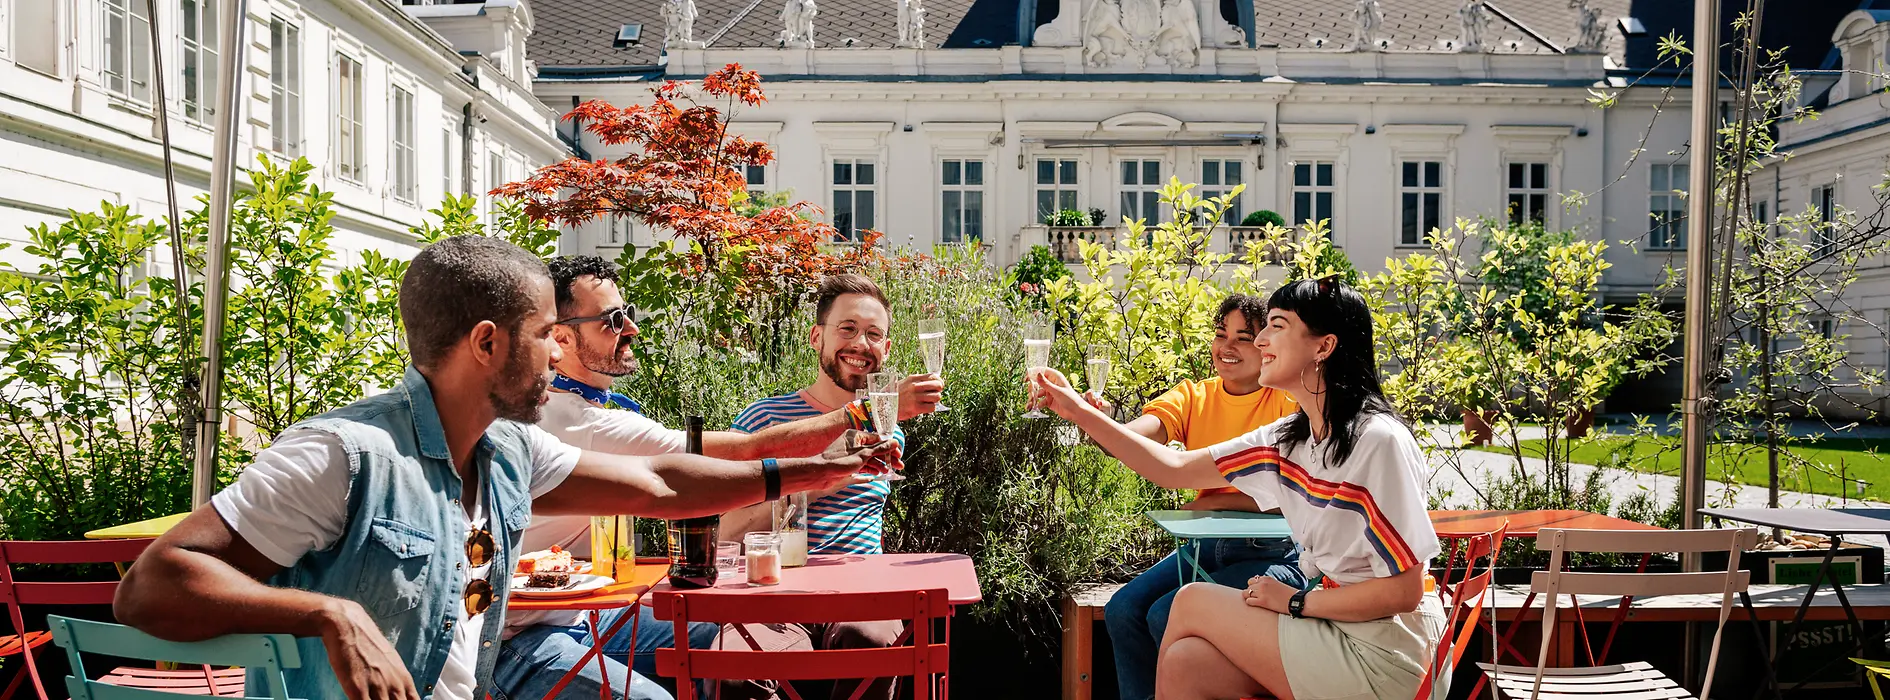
x=1316, y=373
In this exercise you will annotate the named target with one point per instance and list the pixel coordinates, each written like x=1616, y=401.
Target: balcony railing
x=1065, y=241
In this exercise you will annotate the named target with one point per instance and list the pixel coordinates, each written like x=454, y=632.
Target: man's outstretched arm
x=689, y=486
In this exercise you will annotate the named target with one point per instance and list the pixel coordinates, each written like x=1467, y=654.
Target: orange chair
x=924, y=659
x=14, y=594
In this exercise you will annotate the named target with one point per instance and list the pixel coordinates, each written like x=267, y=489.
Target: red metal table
x=852, y=573
x=622, y=594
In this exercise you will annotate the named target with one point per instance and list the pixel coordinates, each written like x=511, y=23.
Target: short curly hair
x=453, y=285
x=565, y=271
x=1252, y=309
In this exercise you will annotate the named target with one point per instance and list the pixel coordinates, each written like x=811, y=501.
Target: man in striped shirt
x=851, y=325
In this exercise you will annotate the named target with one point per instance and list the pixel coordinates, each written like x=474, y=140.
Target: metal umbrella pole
x=217, y=256
x=1694, y=403
x=160, y=108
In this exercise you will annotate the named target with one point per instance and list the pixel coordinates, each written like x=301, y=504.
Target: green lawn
x=1866, y=459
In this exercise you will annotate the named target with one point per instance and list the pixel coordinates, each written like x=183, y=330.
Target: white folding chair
x=1635, y=680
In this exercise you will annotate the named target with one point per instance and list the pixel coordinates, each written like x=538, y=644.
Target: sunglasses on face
x=479, y=551
x=614, y=320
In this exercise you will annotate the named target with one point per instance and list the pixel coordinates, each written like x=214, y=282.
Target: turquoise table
x=1192, y=526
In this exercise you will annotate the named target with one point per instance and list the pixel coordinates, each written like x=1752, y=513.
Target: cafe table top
x=141, y=529
x=1524, y=523
x=1220, y=524
x=857, y=573
x=1823, y=521
x=621, y=594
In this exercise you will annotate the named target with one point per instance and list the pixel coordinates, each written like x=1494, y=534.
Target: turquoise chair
x=267, y=654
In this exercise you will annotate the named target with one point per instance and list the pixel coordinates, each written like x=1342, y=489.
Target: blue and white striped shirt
x=848, y=521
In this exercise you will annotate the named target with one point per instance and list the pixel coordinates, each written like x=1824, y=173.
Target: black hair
x=1251, y=308
x=565, y=271
x=1352, y=392
x=832, y=287
x=456, y=283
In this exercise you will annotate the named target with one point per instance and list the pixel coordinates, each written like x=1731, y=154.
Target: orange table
x=622, y=594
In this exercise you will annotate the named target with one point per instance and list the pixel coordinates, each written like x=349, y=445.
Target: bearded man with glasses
x=347, y=532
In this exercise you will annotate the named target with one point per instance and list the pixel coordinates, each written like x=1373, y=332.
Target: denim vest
x=402, y=552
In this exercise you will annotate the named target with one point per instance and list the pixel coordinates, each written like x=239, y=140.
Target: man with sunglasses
x=383, y=534
x=596, y=335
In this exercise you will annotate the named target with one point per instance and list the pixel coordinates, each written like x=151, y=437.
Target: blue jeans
x=531, y=663
x=1138, y=614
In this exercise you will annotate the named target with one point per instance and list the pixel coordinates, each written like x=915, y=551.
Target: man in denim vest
x=384, y=533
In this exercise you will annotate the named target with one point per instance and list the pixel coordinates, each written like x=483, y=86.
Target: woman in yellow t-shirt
x=1200, y=414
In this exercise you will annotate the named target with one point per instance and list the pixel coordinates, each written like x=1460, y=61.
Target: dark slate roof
x=1515, y=26
x=581, y=33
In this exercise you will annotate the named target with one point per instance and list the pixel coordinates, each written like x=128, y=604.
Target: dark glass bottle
x=692, y=540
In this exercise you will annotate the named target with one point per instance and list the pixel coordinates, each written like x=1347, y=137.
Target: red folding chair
x=13, y=594
x=917, y=654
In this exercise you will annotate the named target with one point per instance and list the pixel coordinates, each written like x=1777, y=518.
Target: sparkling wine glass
x=882, y=389
x=1037, y=339
x=932, y=346
x=1096, y=368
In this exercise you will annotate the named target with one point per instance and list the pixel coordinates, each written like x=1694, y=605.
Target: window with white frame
x=350, y=146
x=961, y=198
x=1219, y=177
x=1527, y=192
x=406, y=166
x=1666, y=207
x=37, y=35
x=197, y=30
x=757, y=177
x=449, y=159
x=1824, y=235
x=1056, y=186
x=1313, y=193
x=854, y=205
x=285, y=87
x=127, y=44
x=495, y=176
x=1420, y=200
x=1141, y=189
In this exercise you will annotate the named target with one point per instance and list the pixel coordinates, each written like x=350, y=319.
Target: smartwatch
x=1296, y=606
x=771, y=475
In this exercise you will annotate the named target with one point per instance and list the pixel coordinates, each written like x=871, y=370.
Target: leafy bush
x=1027, y=280
x=1070, y=217
x=1264, y=217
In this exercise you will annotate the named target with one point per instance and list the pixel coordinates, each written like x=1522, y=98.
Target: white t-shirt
x=1358, y=520
x=584, y=425
x=293, y=499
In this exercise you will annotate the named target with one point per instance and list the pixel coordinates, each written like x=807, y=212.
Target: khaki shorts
x=1328, y=660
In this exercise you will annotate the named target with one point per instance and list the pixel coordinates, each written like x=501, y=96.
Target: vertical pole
x=217, y=266
x=180, y=272
x=1700, y=201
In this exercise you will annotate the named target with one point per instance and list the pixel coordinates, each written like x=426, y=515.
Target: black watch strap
x=771, y=475
x=1296, y=606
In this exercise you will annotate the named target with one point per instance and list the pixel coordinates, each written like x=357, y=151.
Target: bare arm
x=801, y=438
x=689, y=486
x=1165, y=467
x=1374, y=599
x=203, y=580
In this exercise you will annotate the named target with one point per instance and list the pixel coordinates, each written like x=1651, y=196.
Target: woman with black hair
x=1345, y=471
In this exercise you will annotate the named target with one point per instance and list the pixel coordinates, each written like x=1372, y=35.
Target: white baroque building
x=396, y=106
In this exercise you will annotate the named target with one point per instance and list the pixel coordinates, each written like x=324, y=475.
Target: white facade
x=368, y=92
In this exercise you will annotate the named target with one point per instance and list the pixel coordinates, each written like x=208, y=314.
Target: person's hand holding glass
x=882, y=392
x=1037, y=339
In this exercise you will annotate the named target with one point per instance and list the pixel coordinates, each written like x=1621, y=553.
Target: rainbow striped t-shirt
x=1362, y=519
x=848, y=521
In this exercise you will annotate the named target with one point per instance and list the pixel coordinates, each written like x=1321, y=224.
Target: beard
x=831, y=367
x=520, y=393
x=616, y=363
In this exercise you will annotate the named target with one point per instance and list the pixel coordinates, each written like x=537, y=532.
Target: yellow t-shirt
x=1200, y=414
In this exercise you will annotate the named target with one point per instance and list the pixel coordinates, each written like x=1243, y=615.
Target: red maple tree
x=685, y=173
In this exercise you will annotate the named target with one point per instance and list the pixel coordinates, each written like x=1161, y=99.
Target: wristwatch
x=1296, y=606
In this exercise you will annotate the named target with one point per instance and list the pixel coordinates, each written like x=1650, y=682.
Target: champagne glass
x=1037, y=338
x=882, y=389
x=932, y=346
x=1096, y=368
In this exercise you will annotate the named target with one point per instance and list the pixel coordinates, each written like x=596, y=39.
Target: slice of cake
x=547, y=568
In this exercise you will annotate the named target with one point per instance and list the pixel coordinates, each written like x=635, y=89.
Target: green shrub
x=1264, y=217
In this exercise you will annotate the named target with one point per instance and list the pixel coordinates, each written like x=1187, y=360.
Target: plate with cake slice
x=552, y=573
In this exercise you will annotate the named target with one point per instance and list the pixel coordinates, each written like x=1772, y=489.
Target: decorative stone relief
x=911, y=24
x=798, y=15
x=1119, y=30
x=1065, y=30
x=679, y=25
x=1588, y=23
x=1475, y=18
x=1367, y=18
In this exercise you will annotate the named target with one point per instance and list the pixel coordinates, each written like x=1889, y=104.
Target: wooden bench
x=1082, y=607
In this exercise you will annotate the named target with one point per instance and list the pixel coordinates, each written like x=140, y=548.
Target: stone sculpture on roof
x=798, y=15
x=1118, y=30
x=1474, y=18
x=1588, y=23
x=679, y=25
x=1366, y=20
x=911, y=24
